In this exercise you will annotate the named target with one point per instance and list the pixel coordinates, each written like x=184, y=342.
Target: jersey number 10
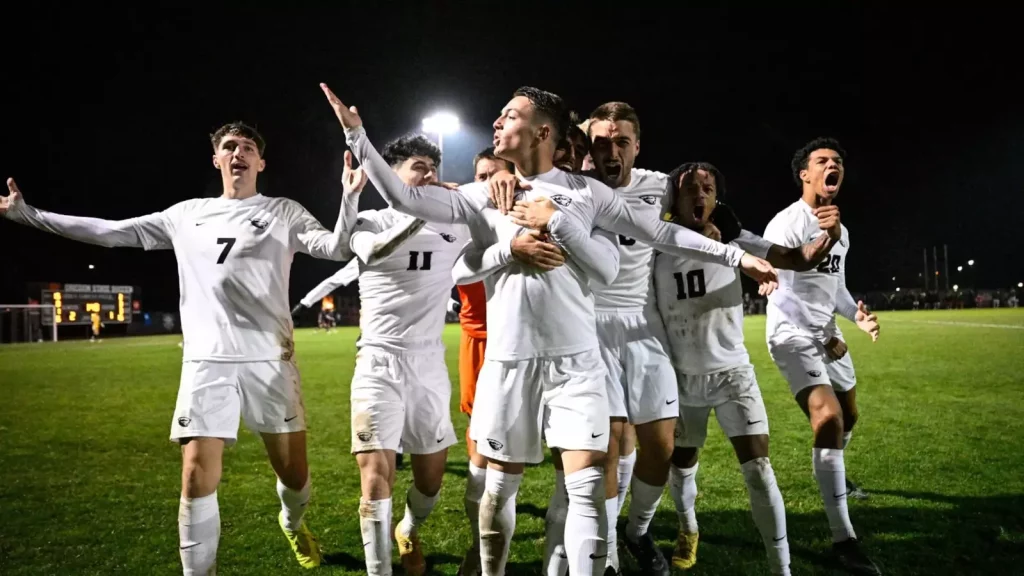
x=414, y=261
x=692, y=286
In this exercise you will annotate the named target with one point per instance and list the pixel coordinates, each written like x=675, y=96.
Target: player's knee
x=199, y=476
x=827, y=419
x=684, y=457
x=295, y=476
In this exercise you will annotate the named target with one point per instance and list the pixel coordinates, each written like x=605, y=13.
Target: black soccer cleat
x=648, y=558
x=853, y=559
x=854, y=491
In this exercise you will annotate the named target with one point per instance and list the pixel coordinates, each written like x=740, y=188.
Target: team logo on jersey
x=561, y=199
x=842, y=242
x=184, y=421
x=814, y=373
x=259, y=223
x=448, y=237
x=495, y=445
x=649, y=199
x=364, y=436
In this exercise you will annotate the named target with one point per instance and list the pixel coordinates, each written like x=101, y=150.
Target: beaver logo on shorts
x=814, y=373
x=184, y=421
x=561, y=199
x=364, y=436
x=649, y=199
x=495, y=445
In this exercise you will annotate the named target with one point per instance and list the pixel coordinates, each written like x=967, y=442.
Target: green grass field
x=90, y=482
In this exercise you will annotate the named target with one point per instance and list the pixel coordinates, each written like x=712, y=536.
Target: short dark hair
x=550, y=106
x=572, y=129
x=689, y=170
x=238, y=129
x=401, y=149
x=488, y=154
x=616, y=111
x=801, y=156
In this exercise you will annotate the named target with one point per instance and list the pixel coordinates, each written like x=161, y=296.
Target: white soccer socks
x=586, y=523
x=475, y=484
x=375, y=525
x=683, y=488
x=625, y=475
x=642, y=508
x=198, y=534
x=830, y=472
x=556, y=562
x=497, y=520
x=293, y=503
x=769, y=511
x=417, y=507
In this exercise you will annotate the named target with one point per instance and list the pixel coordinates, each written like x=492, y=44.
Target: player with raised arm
x=702, y=308
x=542, y=370
x=807, y=345
x=234, y=256
x=400, y=388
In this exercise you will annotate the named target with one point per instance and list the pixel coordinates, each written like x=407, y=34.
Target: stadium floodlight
x=91, y=267
x=1020, y=284
x=441, y=123
x=955, y=287
x=959, y=268
x=970, y=262
x=893, y=278
x=897, y=288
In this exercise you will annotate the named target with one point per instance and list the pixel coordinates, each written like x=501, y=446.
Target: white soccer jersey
x=234, y=261
x=817, y=288
x=532, y=314
x=701, y=305
x=631, y=288
x=403, y=296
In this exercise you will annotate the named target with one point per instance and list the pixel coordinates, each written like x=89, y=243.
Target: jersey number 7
x=228, y=244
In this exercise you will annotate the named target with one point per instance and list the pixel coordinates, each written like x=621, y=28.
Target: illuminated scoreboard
x=79, y=303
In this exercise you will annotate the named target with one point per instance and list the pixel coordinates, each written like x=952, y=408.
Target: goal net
x=27, y=323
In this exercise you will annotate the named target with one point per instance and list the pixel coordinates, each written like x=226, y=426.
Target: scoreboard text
x=80, y=303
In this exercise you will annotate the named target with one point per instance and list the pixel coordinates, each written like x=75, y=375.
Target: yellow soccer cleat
x=411, y=553
x=685, y=555
x=304, y=544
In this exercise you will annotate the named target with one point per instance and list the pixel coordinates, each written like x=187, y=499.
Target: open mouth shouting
x=613, y=170
x=831, y=182
x=238, y=167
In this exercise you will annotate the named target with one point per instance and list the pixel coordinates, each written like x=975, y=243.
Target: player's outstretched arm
x=342, y=277
x=596, y=252
x=108, y=233
x=855, y=311
x=476, y=263
x=372, y=247
x=431, y=203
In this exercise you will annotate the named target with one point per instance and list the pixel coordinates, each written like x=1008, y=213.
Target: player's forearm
x=596, y=253
x=473, y=265
x=371, y=248
x=431, y=203
x=342, y=277
x=108, y=233
x=680, y=241
x=846, y=306
x=802, y=258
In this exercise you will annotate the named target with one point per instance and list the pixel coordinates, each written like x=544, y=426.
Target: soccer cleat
x=685, y=555
x=304, y=544
x=853, y=558
x=854, y=491
x=648, y=558
x=471, y=563
x=410, y=552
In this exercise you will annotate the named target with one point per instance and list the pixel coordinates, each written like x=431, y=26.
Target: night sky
x=107, y=113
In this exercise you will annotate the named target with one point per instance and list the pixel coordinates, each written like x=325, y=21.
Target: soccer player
x=400, y=388
x=234, y=255
x=542, y=369
x=702, y=308
x=807, y=345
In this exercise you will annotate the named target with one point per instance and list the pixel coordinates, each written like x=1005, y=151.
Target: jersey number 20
x=690, y=287
x=830, y=265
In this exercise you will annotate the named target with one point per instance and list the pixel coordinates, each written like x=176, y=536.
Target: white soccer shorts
x=213, y=396
x=804, y=363
x=401, y=401
x=561, y=399
x=735, y=397
x=641, y=383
